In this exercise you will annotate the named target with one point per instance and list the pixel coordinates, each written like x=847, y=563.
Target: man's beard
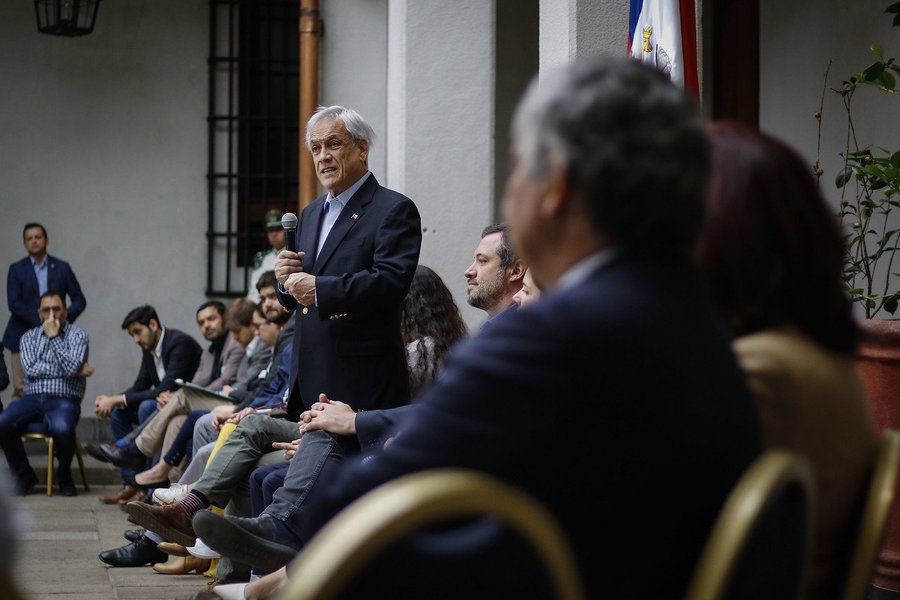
x=487, y=293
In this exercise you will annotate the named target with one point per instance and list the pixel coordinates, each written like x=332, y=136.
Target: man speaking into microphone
x=357, y=249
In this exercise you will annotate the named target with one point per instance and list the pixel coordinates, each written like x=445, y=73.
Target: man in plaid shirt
x=54, y=359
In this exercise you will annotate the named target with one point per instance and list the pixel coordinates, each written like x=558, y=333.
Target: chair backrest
x=760, y=542
x=873, y=524
x=357, y=535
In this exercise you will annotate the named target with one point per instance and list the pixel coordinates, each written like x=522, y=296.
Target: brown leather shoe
x=126, y=492
x=136, y=495
x=173, y=549
x=182, y=564
x=168, y=521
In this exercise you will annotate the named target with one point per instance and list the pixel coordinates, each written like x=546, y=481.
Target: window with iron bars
x=253, y=133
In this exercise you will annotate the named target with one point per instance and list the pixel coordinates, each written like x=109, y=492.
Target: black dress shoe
x=258, y=542
x=128, y=457
x=130, y=480
x=25, y=483
x=94, y=451
x=67, y=488
x=135, y=554
x=133, y=535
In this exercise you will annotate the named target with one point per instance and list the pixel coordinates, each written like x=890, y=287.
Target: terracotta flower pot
x=879, y=365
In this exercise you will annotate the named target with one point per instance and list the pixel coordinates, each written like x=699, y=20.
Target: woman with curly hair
x=430, y=325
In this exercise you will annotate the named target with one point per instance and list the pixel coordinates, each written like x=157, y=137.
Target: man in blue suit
x=615, y=399
x=26, y=281
x=358, y=250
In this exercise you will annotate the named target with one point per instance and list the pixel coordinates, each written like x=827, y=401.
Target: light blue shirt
x=40, y=271
x=335, y=206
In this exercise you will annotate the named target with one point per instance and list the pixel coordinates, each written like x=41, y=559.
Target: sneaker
x=201, y=550
x=173, y=494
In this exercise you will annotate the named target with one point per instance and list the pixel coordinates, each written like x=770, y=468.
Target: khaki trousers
x=160, y=432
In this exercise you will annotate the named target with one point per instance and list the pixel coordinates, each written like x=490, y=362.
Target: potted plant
x=869, y=184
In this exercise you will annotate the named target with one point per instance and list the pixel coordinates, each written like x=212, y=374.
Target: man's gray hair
x=504, y=250
x=631, y=143
x=357, y=127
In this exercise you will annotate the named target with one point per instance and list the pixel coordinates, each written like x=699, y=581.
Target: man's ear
x=363, y=149
x=516, y=271
x=558, y=190
x=153, y=325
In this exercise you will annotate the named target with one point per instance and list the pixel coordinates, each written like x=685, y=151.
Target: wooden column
x=310, y=30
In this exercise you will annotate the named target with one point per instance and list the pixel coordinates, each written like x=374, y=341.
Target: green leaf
x=842, y=177
x=895, y=159
x=893, y=8
x=887, y=81
x=890, y=305
x=877, y=50
x=872, y=72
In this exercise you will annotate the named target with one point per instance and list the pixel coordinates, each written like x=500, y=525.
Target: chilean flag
x=663, y=33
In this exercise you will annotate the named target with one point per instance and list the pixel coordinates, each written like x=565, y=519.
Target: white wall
x=573, y=28
x=440, y=127
x=103, y=140
x=796, y=43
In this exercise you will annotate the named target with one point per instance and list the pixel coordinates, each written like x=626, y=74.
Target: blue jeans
x=264, y=481
x=60, y=415
x=318, y=448
x=121, y=421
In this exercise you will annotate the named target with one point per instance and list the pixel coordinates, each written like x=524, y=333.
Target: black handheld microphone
x=289, y=222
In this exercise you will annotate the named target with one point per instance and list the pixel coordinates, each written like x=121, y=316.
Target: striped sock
x=193, y=503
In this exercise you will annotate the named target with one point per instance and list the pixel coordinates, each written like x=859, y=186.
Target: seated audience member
x=54, y=361
x=529, y=293
x=769, y=244
x=495, y=274
x=167, y=354
x=621, y=374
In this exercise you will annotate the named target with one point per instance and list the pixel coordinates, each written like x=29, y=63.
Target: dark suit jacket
x=374, y=427
x=4, y=374
x=24, y=298
x=180, y=357
x=617, y=403
x=349, y=346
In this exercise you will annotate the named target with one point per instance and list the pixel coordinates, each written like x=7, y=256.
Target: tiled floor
x=57, y=555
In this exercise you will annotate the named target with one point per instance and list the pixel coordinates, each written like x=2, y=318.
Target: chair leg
x=84, y=480
x=49, y=465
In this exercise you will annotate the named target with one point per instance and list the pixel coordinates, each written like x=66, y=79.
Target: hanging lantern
x=66, y=17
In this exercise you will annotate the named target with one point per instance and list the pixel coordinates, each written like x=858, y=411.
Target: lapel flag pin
x=354, y=216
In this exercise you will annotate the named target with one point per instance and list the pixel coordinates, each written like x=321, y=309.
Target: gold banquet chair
x=39, y=431
x=874, y=520
x=775, y=494
x=371, y=524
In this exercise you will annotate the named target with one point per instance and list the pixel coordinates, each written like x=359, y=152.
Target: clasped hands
x=331, y=415
x=289, y=273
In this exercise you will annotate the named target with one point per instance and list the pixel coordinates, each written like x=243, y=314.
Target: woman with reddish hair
x=772, y=253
